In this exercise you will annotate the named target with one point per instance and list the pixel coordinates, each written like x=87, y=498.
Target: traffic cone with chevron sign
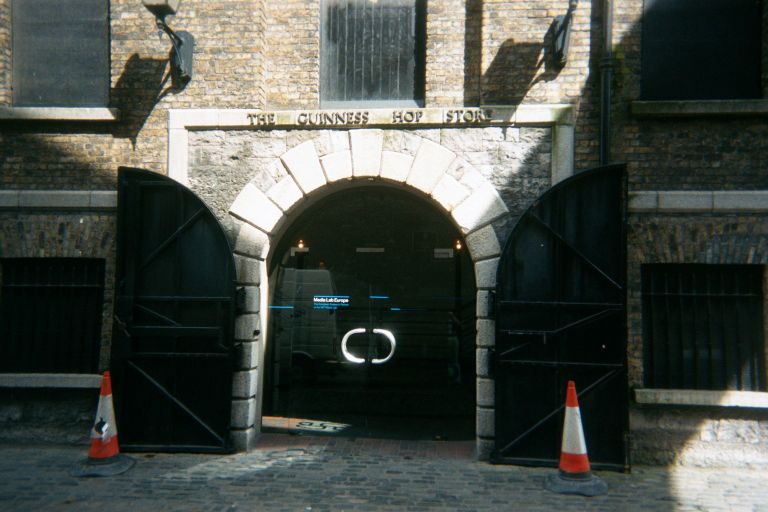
x=104, y=458
x=575, y=474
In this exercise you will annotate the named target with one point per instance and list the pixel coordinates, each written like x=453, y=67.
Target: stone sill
x=59, y=114
x=749, y=399
x=60, y=199
x=747, y=201
x=50, y=380
x=702, y=108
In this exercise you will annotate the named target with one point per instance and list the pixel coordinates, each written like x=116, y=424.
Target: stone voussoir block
x=395, y=166
x=285, y=193
x=251, y=242
x=486, y=392
x=486, y=332
x=483, y=243
x=254, y=207
x=366, y=152
x=429, y=165
x=338, y=165
x=485, y=273
x=304, y=165
x=485, y=422
x=247, y=354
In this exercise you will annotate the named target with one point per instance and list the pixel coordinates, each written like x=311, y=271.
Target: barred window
x=50, y=314
x=372, y=51
x=60, y=53
x=703, y=327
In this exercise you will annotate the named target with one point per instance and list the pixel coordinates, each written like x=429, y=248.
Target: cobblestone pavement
x=294, y=473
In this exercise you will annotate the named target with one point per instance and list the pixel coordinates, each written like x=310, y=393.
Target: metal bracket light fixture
x=183, y=42
x=561, y=34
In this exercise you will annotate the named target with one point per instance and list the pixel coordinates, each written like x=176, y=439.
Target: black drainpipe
x=606, y=77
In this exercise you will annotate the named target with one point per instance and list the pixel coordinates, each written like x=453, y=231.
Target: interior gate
x=172, y=351
x=560, y=316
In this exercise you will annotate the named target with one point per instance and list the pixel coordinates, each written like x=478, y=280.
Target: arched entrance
x=372, y=320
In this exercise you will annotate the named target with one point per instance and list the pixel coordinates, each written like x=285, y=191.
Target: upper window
x=703, y=327
x=60, y=53
x=372, y=52
x=701, y=49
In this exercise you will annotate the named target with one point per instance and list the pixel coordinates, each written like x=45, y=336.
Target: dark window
x=50, y=314
x=372, y=51
x=703, y=327
x=60, y=53
x=701, y=49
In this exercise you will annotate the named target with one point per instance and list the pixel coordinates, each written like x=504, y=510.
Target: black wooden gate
x=174, y=308
x=560, y=315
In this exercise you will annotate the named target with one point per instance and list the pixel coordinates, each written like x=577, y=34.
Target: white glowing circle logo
x=354, y=359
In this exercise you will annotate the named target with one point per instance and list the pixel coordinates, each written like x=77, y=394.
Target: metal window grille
x=50, y=314
x=372, y=51
x=703, y=327
x=60, y=52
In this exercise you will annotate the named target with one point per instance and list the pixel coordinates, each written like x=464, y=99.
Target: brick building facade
x=500, y=123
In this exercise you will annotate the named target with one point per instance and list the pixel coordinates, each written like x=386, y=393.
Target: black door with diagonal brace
x=172, y=338
x=560, y=316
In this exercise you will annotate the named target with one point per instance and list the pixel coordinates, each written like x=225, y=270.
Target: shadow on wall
x=142, y=85
x=516, y=68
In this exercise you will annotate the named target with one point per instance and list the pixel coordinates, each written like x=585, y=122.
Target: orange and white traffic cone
x=575, y=474
x=104, y=458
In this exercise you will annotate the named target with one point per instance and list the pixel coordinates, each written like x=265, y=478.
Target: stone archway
x=332, y=157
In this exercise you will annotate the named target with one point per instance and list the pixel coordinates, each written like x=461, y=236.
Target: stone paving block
x=429, y=165
x=338, y=165
x=366, y=152
x=285, y=193
x=254, y=207
x=395, y=166
x=302, y=162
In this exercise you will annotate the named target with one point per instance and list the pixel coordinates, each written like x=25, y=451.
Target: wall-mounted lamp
x=183, y=42
x=561, y=34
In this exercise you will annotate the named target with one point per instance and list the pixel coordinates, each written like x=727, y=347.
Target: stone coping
x=50, y=380
x=750, y=399
x=699, y=108
x=60, y=199
x=459, y=117
x=670, y=201
x=59, y=114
